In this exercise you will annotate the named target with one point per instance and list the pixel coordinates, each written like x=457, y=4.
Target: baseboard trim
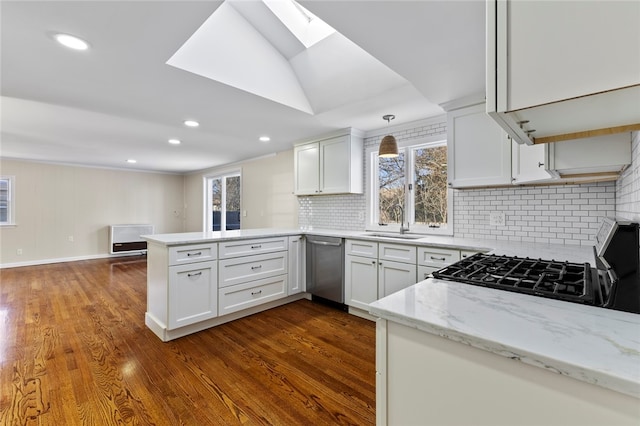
x=65, y=259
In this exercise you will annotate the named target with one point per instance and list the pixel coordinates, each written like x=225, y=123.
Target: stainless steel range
x=614, y=283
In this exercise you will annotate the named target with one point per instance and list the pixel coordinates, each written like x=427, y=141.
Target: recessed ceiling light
x=265, y=138
x=175, y=141
x=131, y=161
x=191, y=123
x=71, y=42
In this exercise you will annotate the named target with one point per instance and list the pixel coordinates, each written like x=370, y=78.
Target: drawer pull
x=196, y=274
x=253, y=268
x=253, y=293
x=257, y=247
x=438, y=258
x=194, y=254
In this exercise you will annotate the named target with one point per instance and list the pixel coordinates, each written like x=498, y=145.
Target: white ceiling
x=121, y=100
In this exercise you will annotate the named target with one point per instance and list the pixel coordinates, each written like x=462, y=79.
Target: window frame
x=409, y=147
x=208, y=199
x=11, y=191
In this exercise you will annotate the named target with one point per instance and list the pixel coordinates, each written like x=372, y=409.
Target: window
x=411, y=188
x=222, y=202
x=7, y=200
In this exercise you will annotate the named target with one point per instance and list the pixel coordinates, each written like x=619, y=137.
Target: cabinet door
x=562, y=50
x=360, y=281
x=397, y=252
x=425, y=271
x=335, y=162
x=193, y=293
x=296, y=265
x=395, y=276
x=307, y=169
x=530, y=163
x=478, y=150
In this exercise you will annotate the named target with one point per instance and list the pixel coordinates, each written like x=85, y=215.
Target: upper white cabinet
x=596, y=158
x=332, y=165
x=478, y=149
x=563, y=70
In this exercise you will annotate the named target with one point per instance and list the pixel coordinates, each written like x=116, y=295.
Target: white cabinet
x=395, y=276
x=297, y=274
x=193, y=293
x=374, y=270
x=330, y=166
x=252, y=272
x=600, y=157
x=183, y=284
x=478, y=149
x=563, y=70
x=433, y=258
x=361, y=281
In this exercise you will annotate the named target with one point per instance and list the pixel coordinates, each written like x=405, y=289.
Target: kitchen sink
x=396, y=236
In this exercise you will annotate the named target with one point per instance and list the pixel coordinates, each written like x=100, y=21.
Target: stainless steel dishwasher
x=325, y=269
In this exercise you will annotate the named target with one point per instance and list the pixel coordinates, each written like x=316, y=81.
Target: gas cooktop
x=548, y=278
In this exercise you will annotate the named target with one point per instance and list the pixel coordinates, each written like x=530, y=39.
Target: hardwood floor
x=74, y=350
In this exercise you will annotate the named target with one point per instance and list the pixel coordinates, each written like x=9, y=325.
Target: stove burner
x=547, y=278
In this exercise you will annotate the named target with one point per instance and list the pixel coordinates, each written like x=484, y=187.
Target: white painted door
x=530, y=163
x=193, y=293
x=335, y=165
x=395, y=276
x=307, y=169
x=296, y=265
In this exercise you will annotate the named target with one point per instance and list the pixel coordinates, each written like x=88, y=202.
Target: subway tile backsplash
x=556, y=214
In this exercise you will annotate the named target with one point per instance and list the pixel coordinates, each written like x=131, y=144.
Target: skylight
x=304, y=25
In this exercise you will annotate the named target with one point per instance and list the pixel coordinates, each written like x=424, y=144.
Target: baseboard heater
x=126, y=238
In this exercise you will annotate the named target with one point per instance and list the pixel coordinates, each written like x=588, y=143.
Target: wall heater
x=126, y=238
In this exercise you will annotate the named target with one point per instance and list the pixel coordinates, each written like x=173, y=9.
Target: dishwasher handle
x=324, y=243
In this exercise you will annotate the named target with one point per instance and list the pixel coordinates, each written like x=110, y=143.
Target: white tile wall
x=567, y=214
x=628, y=186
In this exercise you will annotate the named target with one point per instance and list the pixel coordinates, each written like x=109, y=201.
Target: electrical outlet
x=19, y=252
x=497, y=219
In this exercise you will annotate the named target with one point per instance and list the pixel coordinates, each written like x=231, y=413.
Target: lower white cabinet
x=395, y=276
x=253, y=293
x=193, y=293
x=369, y=275
x=361, y=281
x=297, y=276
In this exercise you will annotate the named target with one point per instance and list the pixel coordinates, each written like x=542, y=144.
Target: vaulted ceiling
x=129, y=93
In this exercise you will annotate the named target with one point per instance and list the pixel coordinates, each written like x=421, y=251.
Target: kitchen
x=118, y=196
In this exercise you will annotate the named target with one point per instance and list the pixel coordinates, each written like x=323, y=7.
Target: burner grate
x=547, y=278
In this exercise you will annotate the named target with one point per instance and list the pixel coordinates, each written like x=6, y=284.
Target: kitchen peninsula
x=506, y=356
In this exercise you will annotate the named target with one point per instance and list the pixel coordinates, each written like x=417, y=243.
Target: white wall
x=628, y=186
x=55, y=202
x=267, y=193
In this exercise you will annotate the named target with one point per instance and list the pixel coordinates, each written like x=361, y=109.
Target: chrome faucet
x=402, y=228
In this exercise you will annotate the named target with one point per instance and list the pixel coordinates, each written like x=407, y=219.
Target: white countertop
x=591, y=344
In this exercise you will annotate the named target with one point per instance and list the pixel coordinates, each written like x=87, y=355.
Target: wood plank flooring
x=74, y=350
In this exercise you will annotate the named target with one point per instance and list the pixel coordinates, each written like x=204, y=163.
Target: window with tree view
x=412, y=188
x=223, y=202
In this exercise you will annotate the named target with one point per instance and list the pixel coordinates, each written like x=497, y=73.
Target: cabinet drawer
x=193, y=293
x=242, y=269
x=243, y=296
x=248, y=247
x=466, y=253
x=425, y=271
x=192, y=253
x=397, y=253
x=362, y=248
x=438, y=257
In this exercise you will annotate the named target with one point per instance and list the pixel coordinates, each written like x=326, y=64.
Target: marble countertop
x=592, y=344
x=544, y=251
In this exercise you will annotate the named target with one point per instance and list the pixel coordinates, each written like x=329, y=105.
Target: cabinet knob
x=540, y=164
x=196, y=274
x=253, y=293
x=253, y=268
x=194, y=254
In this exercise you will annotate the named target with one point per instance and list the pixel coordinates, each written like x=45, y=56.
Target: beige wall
x=267, y=193
x=54, y=202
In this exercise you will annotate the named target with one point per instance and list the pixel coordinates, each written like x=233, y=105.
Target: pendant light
x=389, y=145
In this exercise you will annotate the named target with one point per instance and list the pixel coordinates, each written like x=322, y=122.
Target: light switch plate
x=497, y=219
